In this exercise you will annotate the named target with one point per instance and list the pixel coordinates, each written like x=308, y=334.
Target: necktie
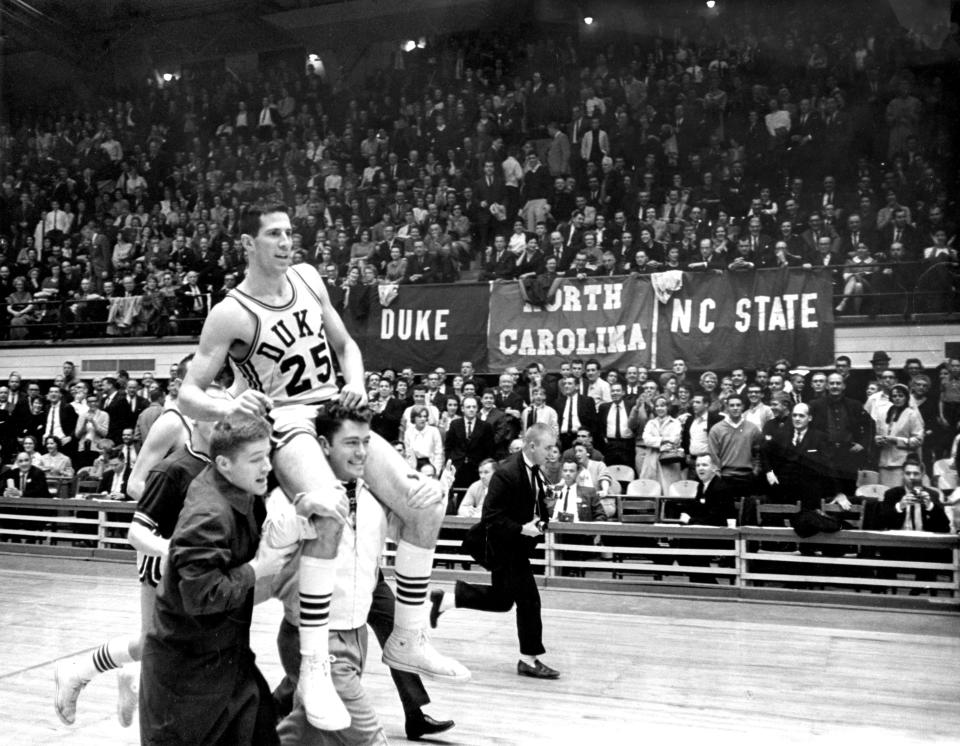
x=351, y=488
x=49, y=430
x=896, y=235
x=616, y=421
x=469, y=428
x=796, y=437
x=570, y=415
x=133, y=404
x=566, y=499
x=23, y=483
x=533, y=416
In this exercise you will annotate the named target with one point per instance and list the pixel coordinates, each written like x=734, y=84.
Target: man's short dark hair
x=250, y=219
x=331, y=417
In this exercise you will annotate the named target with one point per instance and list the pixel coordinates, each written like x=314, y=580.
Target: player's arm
x=225, y=324
x=346, y=349
x=147, y=541
x=167, y=433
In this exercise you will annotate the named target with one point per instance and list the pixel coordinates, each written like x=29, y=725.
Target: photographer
x=913, y=507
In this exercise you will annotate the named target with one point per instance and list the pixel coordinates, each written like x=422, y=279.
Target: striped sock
x=112, y=654
x=413, y=569
x=317, y=577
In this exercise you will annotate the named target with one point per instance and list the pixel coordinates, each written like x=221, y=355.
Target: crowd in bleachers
x=742, y=143
x=614, y=425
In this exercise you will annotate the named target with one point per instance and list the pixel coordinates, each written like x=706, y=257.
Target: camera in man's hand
x=565, y=517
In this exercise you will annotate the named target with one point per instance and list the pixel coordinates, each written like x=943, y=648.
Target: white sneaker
x=128, y=683
x=324, y=709
x=69, y=684
x=410, y=650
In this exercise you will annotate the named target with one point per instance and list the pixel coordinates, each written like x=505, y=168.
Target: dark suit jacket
x=590, y=508
x=122, y=416
x=713, y=506
x=803, y=469
x=860, y=430
x=386, y=424
x=480, y=446
x=586, y=411
x=934, y=519
x=36, y=485
x=511, y=501
x=68, y=422
x=106, y=482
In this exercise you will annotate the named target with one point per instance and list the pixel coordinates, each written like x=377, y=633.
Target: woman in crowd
x=857, y=276
x=53, y=462
x=448, y=413
x=423, y=442
x=899, y=433
x=661, y=437
x=20, y=308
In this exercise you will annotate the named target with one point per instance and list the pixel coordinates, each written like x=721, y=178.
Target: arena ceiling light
x=588, y=20
x=711, y=4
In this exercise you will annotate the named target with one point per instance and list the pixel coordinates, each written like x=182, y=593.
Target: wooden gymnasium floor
x=637, y=670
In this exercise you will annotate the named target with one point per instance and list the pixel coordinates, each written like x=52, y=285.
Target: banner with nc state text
x=609, y=319
x=748, y=319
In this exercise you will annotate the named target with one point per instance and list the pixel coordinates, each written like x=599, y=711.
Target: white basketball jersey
x=289, y=359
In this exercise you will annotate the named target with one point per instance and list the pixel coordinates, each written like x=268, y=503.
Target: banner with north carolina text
x=608, y=319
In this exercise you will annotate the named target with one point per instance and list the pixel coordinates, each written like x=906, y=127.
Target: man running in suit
x=515, y=517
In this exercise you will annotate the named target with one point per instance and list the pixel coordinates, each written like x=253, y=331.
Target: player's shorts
x=290, y=420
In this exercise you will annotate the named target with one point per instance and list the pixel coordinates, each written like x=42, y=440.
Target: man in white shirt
x=597, y=388
x=344, y=437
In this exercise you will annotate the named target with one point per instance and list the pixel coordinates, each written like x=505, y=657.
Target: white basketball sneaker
x=69, y=684
x=324, y=709
x=128, y=683
x=410, y=650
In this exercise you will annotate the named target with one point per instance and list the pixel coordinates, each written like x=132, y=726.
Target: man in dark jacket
x=848, y=430
x=514, y=519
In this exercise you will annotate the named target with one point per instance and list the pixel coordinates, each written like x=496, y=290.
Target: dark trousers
x=510, y=585
x=622, y=451
x=409, y=686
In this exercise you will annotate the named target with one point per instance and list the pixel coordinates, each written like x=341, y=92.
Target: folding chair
x=865, y=476
x=644, y=488
x=678, y=493
x=622, y=474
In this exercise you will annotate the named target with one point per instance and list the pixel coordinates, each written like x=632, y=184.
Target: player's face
x=248, y=468
x=347, y=451
x=270, y=250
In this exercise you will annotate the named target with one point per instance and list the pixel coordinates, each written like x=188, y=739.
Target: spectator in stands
x=662, y=437
x=24, y=479
x=575, y=410
x=696, y=428
x=618, y=440
x=422, y=441
x=591, y=473
x=911, y=506
x=20, y=308
x=472, y=504
x=539, y=411
x=469, y=442
x=53, y=462
x=849, y=432
x=61, y=421
x=734, y=445
x=576, y=502
x=900, y=432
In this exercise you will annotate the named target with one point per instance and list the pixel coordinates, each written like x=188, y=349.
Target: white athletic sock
x=317, y=577
x=112, y=654
x=413, y=569
x=530, y=660
x=449, y=601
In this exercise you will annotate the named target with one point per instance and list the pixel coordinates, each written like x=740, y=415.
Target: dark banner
x=609, y=319
x=423, y=327
x=749, y=319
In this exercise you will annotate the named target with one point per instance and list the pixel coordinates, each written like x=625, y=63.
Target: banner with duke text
x=748, y=319
x=609, y=319
x=425, y=326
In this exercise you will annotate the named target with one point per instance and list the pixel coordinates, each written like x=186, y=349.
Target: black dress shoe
x=537, y=671
x=422, y=725
x=436, y=598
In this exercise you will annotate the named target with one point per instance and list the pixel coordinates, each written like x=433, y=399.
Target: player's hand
x=251, y=404
x=331, y=502
x=353, y=395
x=270, y=560
x=424, y=492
